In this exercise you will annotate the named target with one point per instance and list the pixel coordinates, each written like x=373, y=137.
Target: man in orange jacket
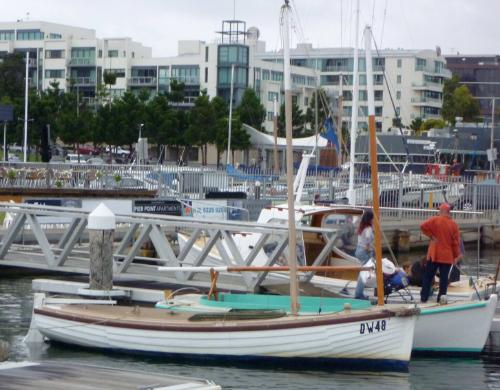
x=443, y=252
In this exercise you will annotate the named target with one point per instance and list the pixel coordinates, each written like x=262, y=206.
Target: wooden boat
x=373, y=338
x=458, y=327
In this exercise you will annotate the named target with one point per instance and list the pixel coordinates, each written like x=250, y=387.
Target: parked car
x=95, y=161
x=88, y=150
x=118, y=150
x=480, y=196
x=73, y=158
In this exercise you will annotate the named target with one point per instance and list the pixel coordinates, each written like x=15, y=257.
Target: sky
x=464, y=26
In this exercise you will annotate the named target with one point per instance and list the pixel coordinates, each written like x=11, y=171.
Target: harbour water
x=424, y=373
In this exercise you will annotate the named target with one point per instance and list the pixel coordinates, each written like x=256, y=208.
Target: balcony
x=426, y=101
x=82, y=81
x=82, y=61
x=431, y=70
x=428, y=86
x=142, y=81
x=189, y=80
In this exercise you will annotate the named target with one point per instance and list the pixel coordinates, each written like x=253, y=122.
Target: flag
x=330, y=134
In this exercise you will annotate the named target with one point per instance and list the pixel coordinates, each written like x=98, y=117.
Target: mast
x=275, y=133
x=230, y=117
x=292, y=239
x=354, y=113
x=373, y=164
x=26, y=86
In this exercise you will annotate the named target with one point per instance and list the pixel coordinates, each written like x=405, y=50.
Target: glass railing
x=82, y=61
x=84, y=80
x=142, y=81
x=426, y=100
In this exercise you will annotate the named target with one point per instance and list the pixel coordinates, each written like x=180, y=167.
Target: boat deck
x=63, y=376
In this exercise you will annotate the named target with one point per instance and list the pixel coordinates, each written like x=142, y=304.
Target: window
x=206, y=53
x=378, y=79
x=100, y=53
x=133, y=54
x=265, y=74
x=306, y=101
x=55, y=36
x=206, y=75
x=29, y=35
x=276, y=76
x=363, y=95
x=398, y=111
x=329, y=79
x=271, y=96
x=420, y=64
x=347, y=95
x=54, y=73
x=379, y=95
x=270, y=115
x=362, y=79
x=6, y=35
x=112, y=53
x=399, y=79
x=186, y=74
x=400, y=63
x=82, y=52
x=398, y=95
x=54, y=54
x=378, y=110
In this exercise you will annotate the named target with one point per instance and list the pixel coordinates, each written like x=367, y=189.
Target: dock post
x=4, y=350
x=101, y=225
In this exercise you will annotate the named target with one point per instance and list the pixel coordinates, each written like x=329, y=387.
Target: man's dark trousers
x=430, y=271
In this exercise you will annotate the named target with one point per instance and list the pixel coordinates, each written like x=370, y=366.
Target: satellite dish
x=438, y=51
x=253, y=33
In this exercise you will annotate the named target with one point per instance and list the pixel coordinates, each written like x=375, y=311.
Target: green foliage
x=416, y=124
x=117, y=178
x=251, y=111
x=397, y=122
x=433, y=124
x=310, y=115
x=109, y=78
x=202, y=124
x=297, y=121
x=458, y=102
x=12, y=72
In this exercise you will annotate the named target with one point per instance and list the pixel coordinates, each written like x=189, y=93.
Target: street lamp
x=141, y=125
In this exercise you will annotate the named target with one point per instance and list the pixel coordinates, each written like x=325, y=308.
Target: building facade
x=76, y=58
x=481, y=74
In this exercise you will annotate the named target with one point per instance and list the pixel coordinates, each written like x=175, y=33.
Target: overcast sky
x=465, y=26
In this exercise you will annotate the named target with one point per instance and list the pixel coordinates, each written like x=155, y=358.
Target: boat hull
x=459, y=327
x=454, y=329
x=379, y=339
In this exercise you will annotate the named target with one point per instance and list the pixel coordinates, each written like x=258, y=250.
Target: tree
x=297, y=121
x=221, y=112
x=12, y=72
x=458, y=101
x=202, y=124
x=416, y=124
x=161, y=122
x=251, y=111
x=433, y=124
x=310, y=115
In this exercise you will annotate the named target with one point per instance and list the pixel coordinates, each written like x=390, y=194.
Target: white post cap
x=102, y=218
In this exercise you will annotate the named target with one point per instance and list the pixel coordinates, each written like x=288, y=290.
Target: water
x=425, y=373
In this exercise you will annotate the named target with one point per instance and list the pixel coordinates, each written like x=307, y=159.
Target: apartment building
x=76, y=58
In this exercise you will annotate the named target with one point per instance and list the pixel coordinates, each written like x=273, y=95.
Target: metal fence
x=478, y=192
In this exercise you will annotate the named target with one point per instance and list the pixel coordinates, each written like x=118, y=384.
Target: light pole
x=140, y=146
x=230, y=116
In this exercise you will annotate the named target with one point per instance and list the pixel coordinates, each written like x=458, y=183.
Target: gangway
x=69, y=252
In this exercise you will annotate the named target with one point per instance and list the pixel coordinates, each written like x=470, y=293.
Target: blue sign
x=6, y=113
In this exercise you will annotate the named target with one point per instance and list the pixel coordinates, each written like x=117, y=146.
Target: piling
x=101, y=225
x=4, y=350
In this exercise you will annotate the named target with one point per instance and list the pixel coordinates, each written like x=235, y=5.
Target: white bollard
x=101, y=225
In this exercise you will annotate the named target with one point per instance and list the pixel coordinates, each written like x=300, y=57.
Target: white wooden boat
x=376, y=338
x=458, y=327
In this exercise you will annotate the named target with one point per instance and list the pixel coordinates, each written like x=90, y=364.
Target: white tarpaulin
x=258, y=138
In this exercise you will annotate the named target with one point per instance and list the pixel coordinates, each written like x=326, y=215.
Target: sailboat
x=374, y=338
x=460, y=327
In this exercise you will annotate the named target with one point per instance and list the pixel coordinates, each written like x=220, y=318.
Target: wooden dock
x=63, y=376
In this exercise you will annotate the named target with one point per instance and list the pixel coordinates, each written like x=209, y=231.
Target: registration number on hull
x=372, y=327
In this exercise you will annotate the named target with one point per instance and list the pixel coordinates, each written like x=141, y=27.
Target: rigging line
x=405, y=144
x=383, y=23
x=373, y=12
x=341, y=23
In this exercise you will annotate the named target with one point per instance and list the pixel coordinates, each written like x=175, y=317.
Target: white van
x=72, y=158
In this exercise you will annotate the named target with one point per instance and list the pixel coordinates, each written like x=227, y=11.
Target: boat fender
x=443, y=300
